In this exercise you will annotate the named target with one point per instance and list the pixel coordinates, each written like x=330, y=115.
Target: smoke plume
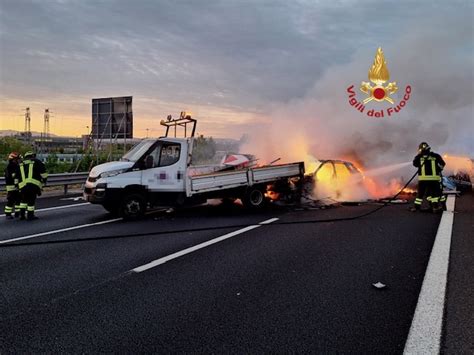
x=434, y=58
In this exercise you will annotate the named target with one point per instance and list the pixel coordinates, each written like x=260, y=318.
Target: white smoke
x=433, y=57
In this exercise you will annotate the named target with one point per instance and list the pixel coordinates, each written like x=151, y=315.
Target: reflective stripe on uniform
x=23, y=206
x=428, y=177
x=30, y=208
x=28, y=179
x=418, y=201
x=23, y=177
x=8, y=209
x=433, y=166
x=11, y=188
x=44, y=175
x=435, y=199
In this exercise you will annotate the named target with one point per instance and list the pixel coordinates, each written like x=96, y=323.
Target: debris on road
x=398, y=201
x=379, y=285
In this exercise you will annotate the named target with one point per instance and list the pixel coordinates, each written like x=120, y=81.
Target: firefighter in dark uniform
x=11, y=182
x=32, y=177
x=430, y=165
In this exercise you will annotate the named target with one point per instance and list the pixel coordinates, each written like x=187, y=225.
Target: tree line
x=203, y=151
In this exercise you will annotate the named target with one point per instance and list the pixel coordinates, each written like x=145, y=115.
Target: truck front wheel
x=133, y=206
x=254, y=198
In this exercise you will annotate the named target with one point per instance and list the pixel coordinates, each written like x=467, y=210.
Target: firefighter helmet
x=424, y=147
x=13, y=155
x=29, y=154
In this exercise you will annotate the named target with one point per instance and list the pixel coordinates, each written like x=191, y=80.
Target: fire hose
x=190, y=230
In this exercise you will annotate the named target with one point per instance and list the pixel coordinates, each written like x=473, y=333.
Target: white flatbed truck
x=156, y=172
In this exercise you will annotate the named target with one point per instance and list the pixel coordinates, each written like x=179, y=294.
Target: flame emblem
x=378, y=74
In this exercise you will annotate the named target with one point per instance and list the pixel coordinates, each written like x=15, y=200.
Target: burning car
x=338, y=180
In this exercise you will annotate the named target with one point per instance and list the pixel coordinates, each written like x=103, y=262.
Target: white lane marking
x=425, y=331
x=58, y=207
x=199, y=246
x=59, y=231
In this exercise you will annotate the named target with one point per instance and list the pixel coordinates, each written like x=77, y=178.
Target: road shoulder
x=458, y=337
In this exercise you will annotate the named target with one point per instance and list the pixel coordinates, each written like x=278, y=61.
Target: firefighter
x=11, y=181
x=430, y=165
x=31, y=179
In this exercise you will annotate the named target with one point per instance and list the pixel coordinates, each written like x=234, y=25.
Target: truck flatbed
x=244, y=177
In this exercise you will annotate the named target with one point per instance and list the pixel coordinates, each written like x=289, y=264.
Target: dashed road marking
x=59, y=231
x=425, y=331
x=199, y=246
x=58, y=207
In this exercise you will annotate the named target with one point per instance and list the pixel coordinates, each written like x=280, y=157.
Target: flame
x=408, y=190
x=272, y=195
x=378, y=73
x=311, y=163
x=339, y=184
x=458, y=164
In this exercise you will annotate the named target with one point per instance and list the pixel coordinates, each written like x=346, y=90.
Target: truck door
x=165, y=168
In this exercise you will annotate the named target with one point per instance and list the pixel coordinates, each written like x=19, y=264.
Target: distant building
x=57, y=144
x=62, y=158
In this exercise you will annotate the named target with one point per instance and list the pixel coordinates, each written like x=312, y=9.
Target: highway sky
x=240, y=66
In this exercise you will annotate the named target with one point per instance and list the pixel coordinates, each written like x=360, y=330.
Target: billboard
x=112, y=117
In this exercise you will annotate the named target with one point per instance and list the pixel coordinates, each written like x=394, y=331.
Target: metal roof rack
x=183, y=121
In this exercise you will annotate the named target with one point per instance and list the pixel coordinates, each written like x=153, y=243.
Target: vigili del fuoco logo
x=378, y=75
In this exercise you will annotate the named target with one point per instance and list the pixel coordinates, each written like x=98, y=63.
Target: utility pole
x=45, y=132
x=46, y=124
x=28, y=125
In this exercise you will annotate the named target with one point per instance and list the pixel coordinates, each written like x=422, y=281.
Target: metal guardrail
x=58, y=180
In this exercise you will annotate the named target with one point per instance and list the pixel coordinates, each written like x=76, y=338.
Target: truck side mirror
x=149, y=162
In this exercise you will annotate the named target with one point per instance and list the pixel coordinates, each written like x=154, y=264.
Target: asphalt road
x=283, y=287
x=459, y=310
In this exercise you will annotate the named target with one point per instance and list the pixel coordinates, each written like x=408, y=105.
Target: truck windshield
x=137, y=151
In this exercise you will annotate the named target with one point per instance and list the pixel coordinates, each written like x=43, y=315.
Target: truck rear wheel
x=133, y=206
x=254, y=198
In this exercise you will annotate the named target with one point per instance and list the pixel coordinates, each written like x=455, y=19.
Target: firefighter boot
x=31, y=216
x=414, y=208
x=8, y=216
x=437, y=208
x=442, y=202
x=22, y=214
